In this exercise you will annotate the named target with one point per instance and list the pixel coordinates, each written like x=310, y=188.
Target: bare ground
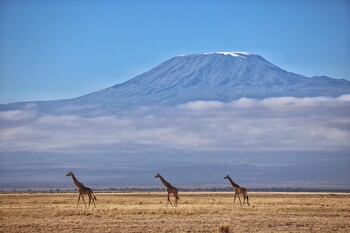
x=197, y=212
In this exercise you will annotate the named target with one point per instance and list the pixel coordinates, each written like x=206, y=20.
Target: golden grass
x=197, y=212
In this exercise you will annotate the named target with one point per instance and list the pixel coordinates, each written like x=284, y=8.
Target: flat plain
x=197, y=212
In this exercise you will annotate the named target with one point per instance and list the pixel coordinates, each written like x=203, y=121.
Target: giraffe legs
x=248, y=201
x=175, y=194
x=175, y=204
x=239, y=199
x=91, y=198
x=234, y=200
x=169, y=200
x=78, y=200
x=246, y=197
x=93, y=201
x=82, y=196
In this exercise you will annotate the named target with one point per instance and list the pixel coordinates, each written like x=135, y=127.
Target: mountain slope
x=215, y=76
x=223, y=76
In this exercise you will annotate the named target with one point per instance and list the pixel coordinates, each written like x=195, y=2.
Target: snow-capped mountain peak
x=214, y=76
x=233, y=54
x=218, y=76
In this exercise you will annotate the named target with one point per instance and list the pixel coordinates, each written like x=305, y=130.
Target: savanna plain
x=196, y=212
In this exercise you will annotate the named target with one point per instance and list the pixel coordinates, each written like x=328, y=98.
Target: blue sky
x=61, y=49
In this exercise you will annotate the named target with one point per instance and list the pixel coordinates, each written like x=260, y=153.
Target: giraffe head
x=158, y=175
x=70, y=173
x=227, y=177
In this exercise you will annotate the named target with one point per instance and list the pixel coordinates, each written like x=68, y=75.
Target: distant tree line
x=227, y=189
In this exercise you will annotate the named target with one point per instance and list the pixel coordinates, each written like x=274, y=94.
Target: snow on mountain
x=233, y=54
x=219, y=76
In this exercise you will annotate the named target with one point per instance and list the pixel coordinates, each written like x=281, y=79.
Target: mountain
x=220, y=76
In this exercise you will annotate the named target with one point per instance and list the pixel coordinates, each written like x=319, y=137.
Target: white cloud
x=274, y=124
x=202, y=105
x=244, y=103
x=345, y=98
x=16, y=115
x=292, y=102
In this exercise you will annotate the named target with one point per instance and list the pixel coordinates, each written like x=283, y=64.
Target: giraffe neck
x=166, y=184
x=76, y=182
x=233, y=183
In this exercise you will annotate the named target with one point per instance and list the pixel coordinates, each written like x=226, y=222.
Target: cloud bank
x=272, y=124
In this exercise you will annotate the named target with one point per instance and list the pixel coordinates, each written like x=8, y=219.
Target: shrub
x=223, y=228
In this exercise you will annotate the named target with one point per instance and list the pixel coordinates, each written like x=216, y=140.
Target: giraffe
x=82, y=190
x=238, y=190
x=169, y=189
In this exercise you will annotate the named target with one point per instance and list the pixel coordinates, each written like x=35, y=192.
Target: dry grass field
x=197, y=212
